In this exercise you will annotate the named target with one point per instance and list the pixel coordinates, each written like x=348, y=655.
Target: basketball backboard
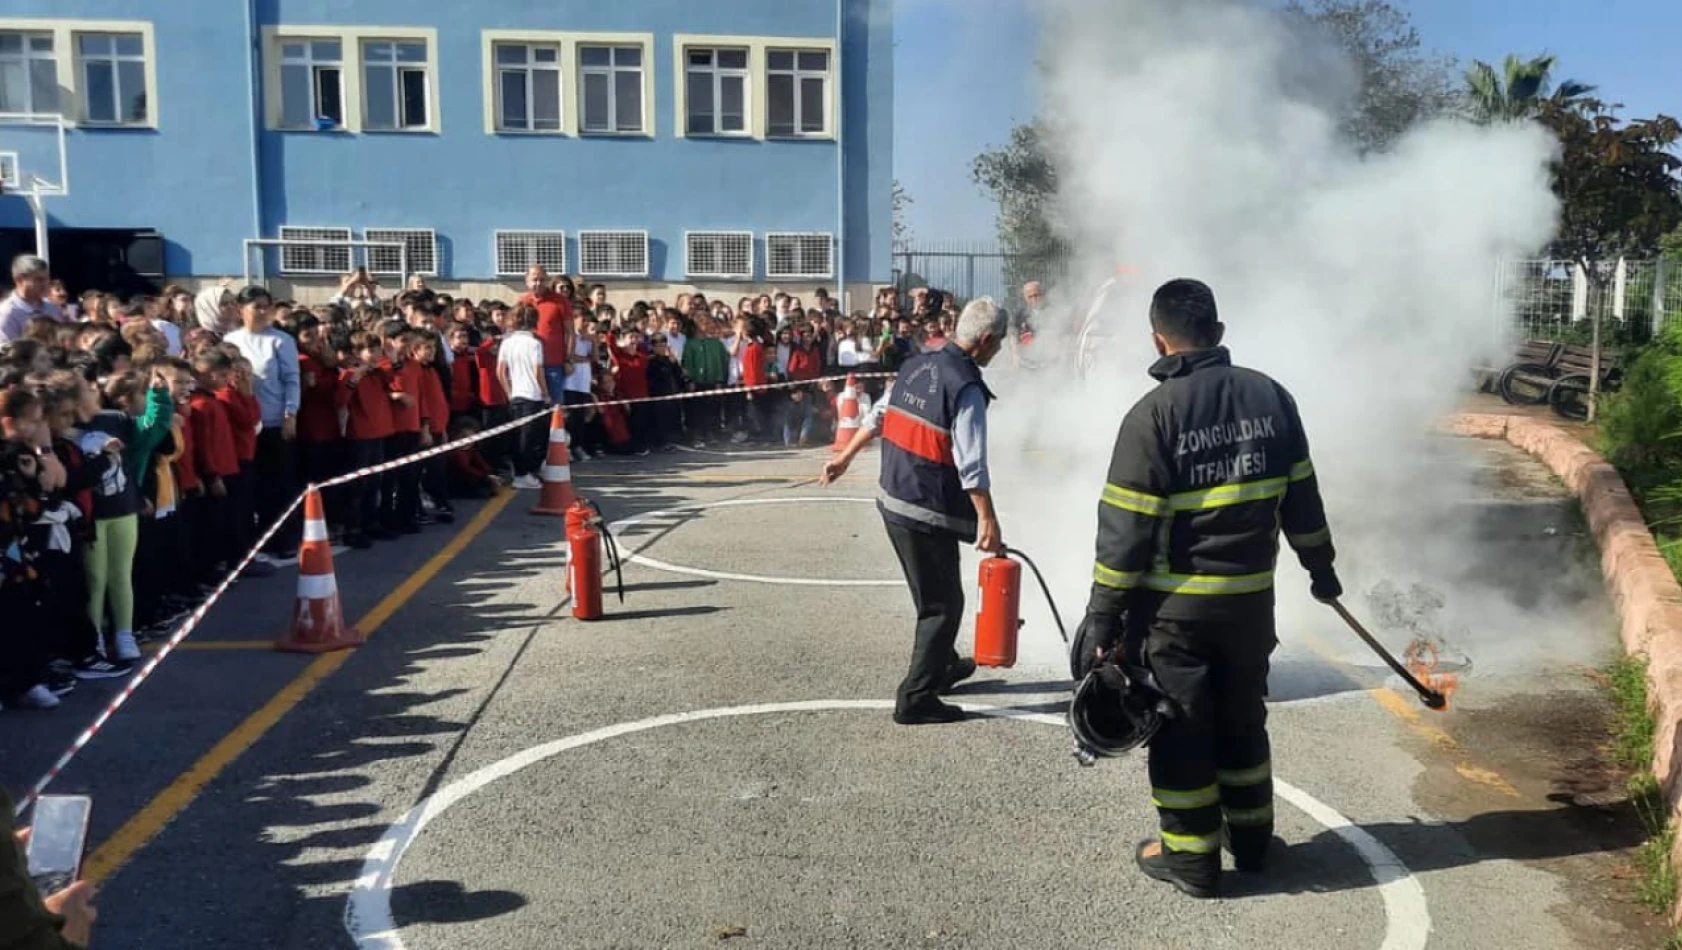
x=34, y=155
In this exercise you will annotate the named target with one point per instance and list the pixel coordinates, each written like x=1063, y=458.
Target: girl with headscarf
x=210, y=307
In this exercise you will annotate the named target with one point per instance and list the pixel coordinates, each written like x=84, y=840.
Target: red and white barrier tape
x=192, y=620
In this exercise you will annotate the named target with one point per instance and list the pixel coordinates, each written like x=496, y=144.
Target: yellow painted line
x=1403, y=708
x=214, y=646
x=162, y=809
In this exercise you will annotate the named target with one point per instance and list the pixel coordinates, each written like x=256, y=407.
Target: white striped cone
x=846, y=415
x=556, y=474
x=318, y=621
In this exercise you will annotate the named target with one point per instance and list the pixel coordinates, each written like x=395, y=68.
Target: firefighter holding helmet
x=1207, y=469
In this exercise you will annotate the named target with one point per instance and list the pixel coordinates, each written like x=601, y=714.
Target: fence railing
x=1559, y=300
x=970, y=269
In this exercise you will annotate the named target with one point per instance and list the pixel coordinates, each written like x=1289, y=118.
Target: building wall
x=192, y=177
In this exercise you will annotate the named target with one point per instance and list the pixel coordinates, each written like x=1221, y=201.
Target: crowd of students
x=146, y=443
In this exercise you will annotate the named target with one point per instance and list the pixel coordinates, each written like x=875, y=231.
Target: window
x=395, y=86
x=612, y=81
x=314, y=260
x=519, y=251
x=312, y=84
x=798, y=256
x=28, y=74
x=113, y=71
x=797, y=92
x=719, y=254
x=528, y=87
x=613, y=253
x=422, y=246
x=716, y=94
x=11, y=175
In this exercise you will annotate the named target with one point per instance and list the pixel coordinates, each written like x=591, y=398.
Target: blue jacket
x=920, y=488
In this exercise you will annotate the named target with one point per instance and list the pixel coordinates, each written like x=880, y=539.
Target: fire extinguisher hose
x=1045, y=588
x=612, y=550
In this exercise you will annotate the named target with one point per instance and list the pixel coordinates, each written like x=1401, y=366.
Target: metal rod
x=1433, y=699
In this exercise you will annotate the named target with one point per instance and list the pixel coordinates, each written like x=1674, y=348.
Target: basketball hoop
x=31, y=145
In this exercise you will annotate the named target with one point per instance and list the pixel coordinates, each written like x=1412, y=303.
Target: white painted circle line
x=370, y=924
x=634, y=557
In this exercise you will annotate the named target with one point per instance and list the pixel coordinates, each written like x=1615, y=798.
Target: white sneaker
x=127, y=649
x=581, y=455
x=739, y=438
x=527, y=483
x=38, y=697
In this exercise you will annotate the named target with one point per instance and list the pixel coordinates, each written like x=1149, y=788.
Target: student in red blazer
x=365, y=393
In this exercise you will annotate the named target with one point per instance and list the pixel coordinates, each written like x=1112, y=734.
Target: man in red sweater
x=554, y=329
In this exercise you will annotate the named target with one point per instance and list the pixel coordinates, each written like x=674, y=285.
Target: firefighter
x=936, y=492
x=1207, y=469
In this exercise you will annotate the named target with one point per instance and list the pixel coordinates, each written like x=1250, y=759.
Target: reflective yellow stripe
x=1191, y=844
x=1223, y=495
x=1302, y=471
x=1197, y=798
x=1249, y=816
x=1119, y=580
x=1312, y=539
x=1129, y=500
x=1255, y=775
x=1209, y=583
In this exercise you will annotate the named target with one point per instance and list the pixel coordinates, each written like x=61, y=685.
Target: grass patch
x=1632, y=748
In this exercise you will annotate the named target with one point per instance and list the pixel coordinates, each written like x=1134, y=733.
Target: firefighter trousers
x=1211, y=765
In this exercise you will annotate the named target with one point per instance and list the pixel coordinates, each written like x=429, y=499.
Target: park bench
x=1568, y=393
x=1532, y=358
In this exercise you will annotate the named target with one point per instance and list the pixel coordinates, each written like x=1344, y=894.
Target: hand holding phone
x=58, y=835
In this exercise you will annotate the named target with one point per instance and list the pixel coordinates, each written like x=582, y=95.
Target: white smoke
x=1199, y=138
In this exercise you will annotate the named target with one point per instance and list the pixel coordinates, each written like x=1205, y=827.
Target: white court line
x=618, y=527
x=749, y=453
x=368, y=916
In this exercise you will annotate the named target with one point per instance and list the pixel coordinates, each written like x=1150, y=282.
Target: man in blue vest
x=935, y=492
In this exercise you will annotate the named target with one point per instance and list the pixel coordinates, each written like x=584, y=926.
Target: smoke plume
x=1200, y=138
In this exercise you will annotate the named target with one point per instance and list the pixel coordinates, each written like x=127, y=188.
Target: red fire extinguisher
x=1000, y=618
x=585, y=538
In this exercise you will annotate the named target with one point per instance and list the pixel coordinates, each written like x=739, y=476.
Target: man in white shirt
x=31, y=278
x=519, y=367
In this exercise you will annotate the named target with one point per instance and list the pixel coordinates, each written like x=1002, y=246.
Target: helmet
x=1115, y=710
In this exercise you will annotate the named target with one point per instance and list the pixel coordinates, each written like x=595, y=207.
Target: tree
x=1518, y=91
x=901, y=200
x=1022, y=178
x=1618, y=191
x=1402, y=84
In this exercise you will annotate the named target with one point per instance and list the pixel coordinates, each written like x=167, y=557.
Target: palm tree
x=1519, y=90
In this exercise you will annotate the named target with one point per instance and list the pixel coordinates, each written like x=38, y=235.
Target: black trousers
x=930, y=562
x=400, y=497
x=1213, y=763
x=275, y=486
x=533, y=446
x=362, y=497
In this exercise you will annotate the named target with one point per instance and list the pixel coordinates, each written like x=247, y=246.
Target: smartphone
x=58, y=836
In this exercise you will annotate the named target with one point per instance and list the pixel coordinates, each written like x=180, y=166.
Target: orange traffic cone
x=846, y=415
x=318, y=622
x=556, y=473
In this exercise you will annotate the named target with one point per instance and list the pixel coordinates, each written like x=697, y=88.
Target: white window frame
x=689, y=238
x=68, y=61
x=584, y=256
x=797, y=77
x=115, y=61
x=427, y=255
x=801, y=273
x=321, y=255
x=315, y=66
x=718, y=74
x=494, y=68
x=759, y=99
x=399, y=69
x=613, y=41
x=353, y=92
x=553, y=267
x=11, y=172
x=27, y=58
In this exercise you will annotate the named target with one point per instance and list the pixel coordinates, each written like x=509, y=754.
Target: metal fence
x=1558, y=300
x=970, y=269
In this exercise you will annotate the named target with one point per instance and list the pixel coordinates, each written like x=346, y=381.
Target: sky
x=963, y=75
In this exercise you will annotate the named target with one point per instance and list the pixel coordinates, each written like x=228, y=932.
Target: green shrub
x=1641, y=424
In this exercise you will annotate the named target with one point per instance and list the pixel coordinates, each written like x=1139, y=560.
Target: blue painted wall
x=192, y=178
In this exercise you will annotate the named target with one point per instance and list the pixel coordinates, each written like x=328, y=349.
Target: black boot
x=1152, y=859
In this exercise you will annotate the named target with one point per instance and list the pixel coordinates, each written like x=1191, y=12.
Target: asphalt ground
x=714, y=759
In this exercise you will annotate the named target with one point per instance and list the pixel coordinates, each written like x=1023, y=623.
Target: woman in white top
x=849, y=352
x=578, y=383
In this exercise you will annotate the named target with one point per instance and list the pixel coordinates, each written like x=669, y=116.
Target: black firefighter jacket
x=1208, y=468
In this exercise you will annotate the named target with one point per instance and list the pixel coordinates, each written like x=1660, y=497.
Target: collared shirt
x=16, y=312
x=274, y=368
x=969, y=436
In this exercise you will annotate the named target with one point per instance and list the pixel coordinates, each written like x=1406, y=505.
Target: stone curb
x=1644, y=591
